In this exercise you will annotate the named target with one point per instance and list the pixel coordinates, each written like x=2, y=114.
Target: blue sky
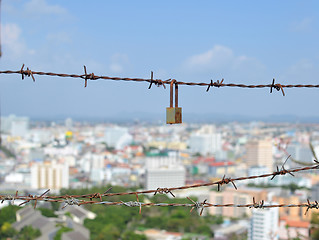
x=247, y=42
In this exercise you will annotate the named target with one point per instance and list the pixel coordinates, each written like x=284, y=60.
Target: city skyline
x=250, y=44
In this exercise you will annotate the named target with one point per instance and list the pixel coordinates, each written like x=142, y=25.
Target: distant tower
x=164, y=171
x=49, y=175
x=259, y=153
x=206, y=141
x=68, y=123
x=117, y=137
x=264, y=224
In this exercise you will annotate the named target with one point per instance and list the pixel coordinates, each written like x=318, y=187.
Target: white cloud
x=117, y=68
x=304, y=70
x=221, y=58
x=118, y=62
x=302, y=25
x=41, y=7
x=13, y=44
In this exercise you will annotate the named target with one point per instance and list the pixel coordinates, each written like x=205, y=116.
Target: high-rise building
x=206, y=141
x=49, y=175
x=296, y=214
x=255, y=171
x=231, y=195
x=164, y=171
x=300, y=152
x=259, y=153
x=315, y=192
x=15, y=126
x=165, y=178
x=264, y=224
x=117, y=137
x=68, y=123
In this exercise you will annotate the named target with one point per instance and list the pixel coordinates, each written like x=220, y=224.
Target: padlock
x=173, y=114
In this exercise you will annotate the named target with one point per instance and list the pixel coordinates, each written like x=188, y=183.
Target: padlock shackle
x=176, y=95
x=171, y=94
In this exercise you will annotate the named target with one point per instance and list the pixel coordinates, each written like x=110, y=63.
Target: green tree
x=47, y=212
x=293, y=187
x=62, y=230
x=133, y=236
x=110, y=232
x=315, y=218
x=7, y=231
x=8, y=214
x=28, y=233
x=315, y=234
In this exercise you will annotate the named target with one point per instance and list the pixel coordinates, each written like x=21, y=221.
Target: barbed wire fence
x=97, y=198
x=157, y=82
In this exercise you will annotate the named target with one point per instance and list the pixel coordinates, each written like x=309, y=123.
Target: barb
x=198, y=205
x=163, y=190
x=278, y=87
x=133, y=204
x=99, y=195
x=35, y=198
x=312, y=205
x=9, y=198
x=157, y=82
x=71, y=201
x=257, y=205
x=225, y=181
x=283, y=171
x=215, y=84
x=27, y=73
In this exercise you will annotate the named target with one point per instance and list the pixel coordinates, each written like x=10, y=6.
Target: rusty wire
x=157, y=82
x=89, y=198
x=223, y=181
x=71, y=201
x=80, y=199
x=205, y=204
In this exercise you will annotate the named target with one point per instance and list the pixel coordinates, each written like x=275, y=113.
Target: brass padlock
x=173, y=114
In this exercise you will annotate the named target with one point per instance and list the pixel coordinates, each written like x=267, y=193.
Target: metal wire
x=157, y=82
x=83, y=199
x=88, y=198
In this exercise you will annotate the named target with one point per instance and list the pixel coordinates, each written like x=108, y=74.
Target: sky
x=249, y=42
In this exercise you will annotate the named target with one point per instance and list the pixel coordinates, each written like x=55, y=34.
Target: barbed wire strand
x=75, y=199
x=157, y=82
x=70, y=201
x=80, y=199
x=223, y=181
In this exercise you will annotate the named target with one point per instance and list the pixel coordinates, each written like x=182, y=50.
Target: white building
x=264, y=224
x=165, y=178
x=41, y=136
x=14, y=177
x=49, y=175
x=117, y=137
x=15, y=126
x=301, y=153
x=205, y=141
x=164, y=172
x=256, y=171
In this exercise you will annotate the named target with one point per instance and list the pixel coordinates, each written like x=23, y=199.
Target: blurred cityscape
x=36, y=156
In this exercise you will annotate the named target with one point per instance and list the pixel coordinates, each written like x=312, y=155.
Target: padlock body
x=173, y=115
